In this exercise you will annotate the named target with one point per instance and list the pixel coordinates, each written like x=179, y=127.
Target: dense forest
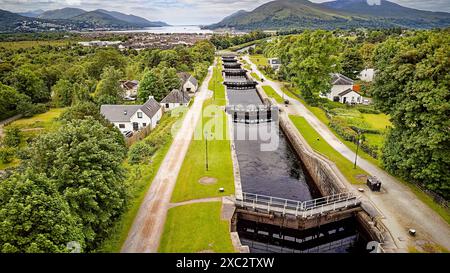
x=411, y=85
x=70, y=185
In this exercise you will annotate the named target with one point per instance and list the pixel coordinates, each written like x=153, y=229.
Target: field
x=259, y=60
x=196, y=228
x=32, y=127
x=216, y=85
x=316, y=142
x=220, y=166
x=29, y=44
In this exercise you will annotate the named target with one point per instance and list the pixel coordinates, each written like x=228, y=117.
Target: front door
x=135, y=126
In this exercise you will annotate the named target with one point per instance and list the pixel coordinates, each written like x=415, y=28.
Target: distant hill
x=287, y=14
x=99, y=19
x=32, y=13
x=71, y=19
x=61, y=14
x=135, y=20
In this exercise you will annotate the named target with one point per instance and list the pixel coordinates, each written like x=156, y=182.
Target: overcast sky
x=182, y=11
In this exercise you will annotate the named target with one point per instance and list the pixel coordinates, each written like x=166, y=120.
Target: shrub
x=140, y=152
x=12, y=137
x=6, y=154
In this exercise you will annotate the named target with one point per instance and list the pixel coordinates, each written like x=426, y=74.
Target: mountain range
x=73, y=18
x=289, y=14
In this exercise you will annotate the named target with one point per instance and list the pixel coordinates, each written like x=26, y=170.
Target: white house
x=275, y=63
x=175, y=99
x=367, y=75
x=133, y=117
x=350, y=96
x=188, y=82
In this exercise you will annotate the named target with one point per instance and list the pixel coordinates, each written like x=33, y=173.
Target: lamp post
x=357, y=148
x=206, y=151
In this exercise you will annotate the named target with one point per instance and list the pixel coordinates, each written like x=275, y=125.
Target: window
x=122, y=126
x=167, y=106
x=188, y=89
x=139, y=114
x=144, y=125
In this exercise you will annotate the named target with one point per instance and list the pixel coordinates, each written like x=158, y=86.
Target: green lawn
x=377, y=121
x=255, y=76
x=219, y=159
x=45, y=120
x=318, y=144
x=196, y=228
x=216, y=85
x=34, y=126
x=272, y=93
x=259, y=60
x=140, y=180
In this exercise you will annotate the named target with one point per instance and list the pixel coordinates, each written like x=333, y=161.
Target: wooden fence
x=138, y=136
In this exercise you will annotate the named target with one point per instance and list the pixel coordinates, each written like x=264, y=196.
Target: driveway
x=400, y=207
x=148, y=226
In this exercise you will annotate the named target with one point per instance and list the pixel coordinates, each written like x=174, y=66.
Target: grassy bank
x=196, y=228
x=270, y=92
x=215, y=85
x=220, y=166
x=354, y=176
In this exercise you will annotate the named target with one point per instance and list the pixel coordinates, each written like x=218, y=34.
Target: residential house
x=175, y=99
x=275, y=63
x=133, y=117
x=367, y=75
x=130, y=89
x=344, y=90
x=188, y=82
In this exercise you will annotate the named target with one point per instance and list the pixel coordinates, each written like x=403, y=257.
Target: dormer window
x=139, y=114
x=125, y=112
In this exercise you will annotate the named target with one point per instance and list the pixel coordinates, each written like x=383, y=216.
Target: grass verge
x=354, y=176
x=196, y=228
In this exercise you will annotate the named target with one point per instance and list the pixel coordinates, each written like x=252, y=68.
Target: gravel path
x=400, y=207
x=148, y=226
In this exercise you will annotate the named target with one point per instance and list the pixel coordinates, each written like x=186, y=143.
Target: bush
x=12, y=137
x=6, y=154
x=140, y=152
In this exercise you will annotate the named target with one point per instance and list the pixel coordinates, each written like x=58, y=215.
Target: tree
x=171, y=80
x=62, y=93
x=352, y=63
x=105, y=58
x=34, y=217
x=108, y=89
x=27, y=82
x=366, y=52
x=85, y=159
x=309, y=60
x=9, y=100
x=151, y=84
x=80, y=93
x=412, y=86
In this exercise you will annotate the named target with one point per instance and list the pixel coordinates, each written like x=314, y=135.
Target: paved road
x=400, y=207
x=148, y=226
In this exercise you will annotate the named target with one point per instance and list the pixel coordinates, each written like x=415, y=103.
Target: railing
x=298, y=208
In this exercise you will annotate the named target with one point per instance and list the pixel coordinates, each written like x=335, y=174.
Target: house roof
x=349, y=90
x=185, y=77
x=119, y=113
x=339, y=79
x=128, y=85
x=123, y=113
x=176, y=96
x=150, y=107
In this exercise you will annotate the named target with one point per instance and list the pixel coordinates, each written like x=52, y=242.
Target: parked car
x=128, y=133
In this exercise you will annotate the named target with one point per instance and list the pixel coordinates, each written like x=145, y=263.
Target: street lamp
x=357, y=148
x=206, y=151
